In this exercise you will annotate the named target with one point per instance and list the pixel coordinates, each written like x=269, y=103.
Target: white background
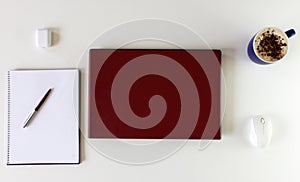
x=251, y=89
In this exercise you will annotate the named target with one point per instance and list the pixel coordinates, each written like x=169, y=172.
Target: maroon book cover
x=154, y=94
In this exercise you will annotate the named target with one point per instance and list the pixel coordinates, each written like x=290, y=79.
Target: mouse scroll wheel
x=262, y=120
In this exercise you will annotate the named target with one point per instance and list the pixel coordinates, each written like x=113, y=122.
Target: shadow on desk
x=227, y=94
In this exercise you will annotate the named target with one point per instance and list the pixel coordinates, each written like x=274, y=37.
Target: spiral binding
x=8, y=117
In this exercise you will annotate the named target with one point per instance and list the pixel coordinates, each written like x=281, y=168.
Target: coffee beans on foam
x=271, y=44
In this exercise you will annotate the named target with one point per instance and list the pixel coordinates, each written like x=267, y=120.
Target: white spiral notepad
x=52, y=135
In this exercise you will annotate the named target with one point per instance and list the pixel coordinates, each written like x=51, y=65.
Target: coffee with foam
x=271, y=44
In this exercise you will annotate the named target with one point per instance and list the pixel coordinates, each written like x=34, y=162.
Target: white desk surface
x=251, y=89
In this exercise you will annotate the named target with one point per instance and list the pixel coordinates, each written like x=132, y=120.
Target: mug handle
x=290, y=33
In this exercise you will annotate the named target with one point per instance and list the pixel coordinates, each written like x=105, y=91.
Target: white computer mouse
x=260, y=131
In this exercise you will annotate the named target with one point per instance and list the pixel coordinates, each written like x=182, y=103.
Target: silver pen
x=36, y=108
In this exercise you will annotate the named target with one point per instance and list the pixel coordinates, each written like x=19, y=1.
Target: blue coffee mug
x=252, y=51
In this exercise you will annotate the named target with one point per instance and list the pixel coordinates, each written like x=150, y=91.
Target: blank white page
x=52, y=136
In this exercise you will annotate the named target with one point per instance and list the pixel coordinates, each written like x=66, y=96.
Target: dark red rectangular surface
x=154, y=94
